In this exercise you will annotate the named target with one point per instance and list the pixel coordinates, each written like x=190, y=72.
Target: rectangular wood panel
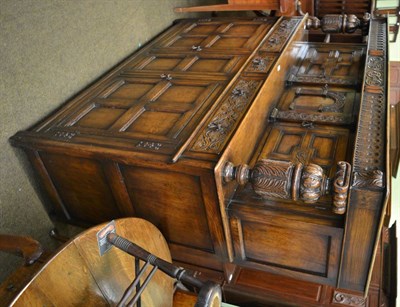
x=217, y=36
x=324, y=64
x=318, y=104
x=321, y=145
x=296, y=247
x=154, y=196
x=83, y=187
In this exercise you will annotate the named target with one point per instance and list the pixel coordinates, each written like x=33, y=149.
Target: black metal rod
x=141, y=289
x=168, y=268
x=137, y=269
x=129, y=290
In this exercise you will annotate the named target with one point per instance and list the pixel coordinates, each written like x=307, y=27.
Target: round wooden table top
x=78, y=276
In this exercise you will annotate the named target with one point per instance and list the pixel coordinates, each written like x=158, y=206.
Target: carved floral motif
x=213, y=137
x=375, y=71
x=279, y=37
x=368, y=179
x=261, y=63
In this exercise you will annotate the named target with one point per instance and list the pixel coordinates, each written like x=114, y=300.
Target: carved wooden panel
x=216, y=36
x=222, y=123
x=318, y=104
x=156, y=112
x=324, y=146
x=294, y=247
x=186, y=64
x=324, y=64
x=281, y=34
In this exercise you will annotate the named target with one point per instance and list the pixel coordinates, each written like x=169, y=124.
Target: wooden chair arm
x=26, y=247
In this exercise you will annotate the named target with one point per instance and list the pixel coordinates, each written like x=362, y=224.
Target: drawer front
x=291, y=248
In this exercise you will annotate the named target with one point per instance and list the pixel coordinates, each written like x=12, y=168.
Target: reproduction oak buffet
x=258, y=152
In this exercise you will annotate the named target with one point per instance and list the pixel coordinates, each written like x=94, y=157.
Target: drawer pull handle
x=272, y=179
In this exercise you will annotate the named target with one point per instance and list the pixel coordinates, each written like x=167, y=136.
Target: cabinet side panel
x=173, y=202
x=82, y=186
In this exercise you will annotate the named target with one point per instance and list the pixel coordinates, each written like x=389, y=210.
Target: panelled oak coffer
x=258, y=151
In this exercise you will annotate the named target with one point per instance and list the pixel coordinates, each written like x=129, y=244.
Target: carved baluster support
x=273, y=179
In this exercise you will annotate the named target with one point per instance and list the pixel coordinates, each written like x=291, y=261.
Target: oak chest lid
x=157, y=99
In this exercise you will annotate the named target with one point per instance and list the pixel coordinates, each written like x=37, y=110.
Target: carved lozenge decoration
x=273, y=179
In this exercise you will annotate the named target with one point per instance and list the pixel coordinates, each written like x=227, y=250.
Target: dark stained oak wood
x=156, y=138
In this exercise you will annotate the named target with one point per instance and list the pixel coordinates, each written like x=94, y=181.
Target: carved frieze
x=316, y=117
x=280, y=36
x=321, y=80
x=213, y=137
x=369, y=157
x=348, y=299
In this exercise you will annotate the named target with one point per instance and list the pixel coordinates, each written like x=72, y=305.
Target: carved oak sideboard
x=259, y=152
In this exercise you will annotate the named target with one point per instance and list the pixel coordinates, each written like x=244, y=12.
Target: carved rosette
x=261, y=63
x=348, y=299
